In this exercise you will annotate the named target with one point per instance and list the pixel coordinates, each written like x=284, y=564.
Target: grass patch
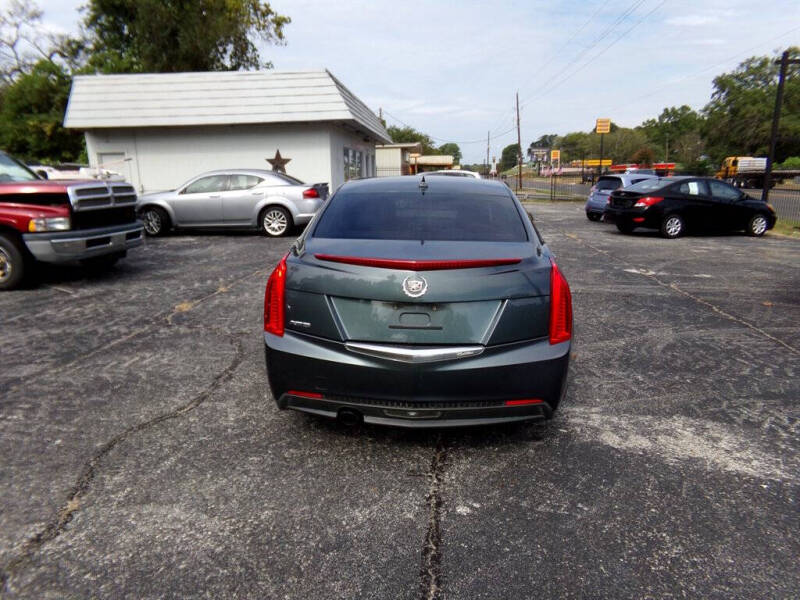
x=784, y=227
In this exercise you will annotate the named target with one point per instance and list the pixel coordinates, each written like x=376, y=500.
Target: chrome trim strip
x=408, y=354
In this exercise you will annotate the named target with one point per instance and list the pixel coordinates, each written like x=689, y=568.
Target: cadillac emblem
x=415, y=286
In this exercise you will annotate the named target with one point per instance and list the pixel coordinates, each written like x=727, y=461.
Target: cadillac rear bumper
x=511, y=382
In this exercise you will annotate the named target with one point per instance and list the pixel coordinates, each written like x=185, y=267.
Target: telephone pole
x=487, y=152
x=519, y=146
x=784, y=62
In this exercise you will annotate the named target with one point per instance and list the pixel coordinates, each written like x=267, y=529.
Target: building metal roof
x=215, y=98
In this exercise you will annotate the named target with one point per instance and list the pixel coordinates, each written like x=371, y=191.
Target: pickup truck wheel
x=155, y=221
x=275, y=221
x=12, y=263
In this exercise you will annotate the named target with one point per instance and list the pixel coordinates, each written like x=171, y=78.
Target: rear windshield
x=647, y=185
x=416, y=216
x=608, y=183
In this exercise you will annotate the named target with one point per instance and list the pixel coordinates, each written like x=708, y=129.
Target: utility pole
x=784, y=62
x=380, y=113
x=487, y=152
x=519, y=144
x=666, y=150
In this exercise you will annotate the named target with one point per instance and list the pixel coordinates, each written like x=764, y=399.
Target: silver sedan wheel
x=758, y=225
x=275, y=222
x=6, y=267
x=152, y=222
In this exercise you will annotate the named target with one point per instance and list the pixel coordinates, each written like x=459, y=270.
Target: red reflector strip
x=523, y=401
x=304, y=394
x=638, y=219
x=418, y=265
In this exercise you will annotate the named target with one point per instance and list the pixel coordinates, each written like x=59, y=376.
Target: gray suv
x=233, y=199
x=601, y=191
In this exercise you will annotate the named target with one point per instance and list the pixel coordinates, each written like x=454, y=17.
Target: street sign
x=603, y=126
x=555, y=155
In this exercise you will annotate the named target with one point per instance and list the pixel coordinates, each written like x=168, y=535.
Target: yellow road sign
x=555, y=155
x=603, y=126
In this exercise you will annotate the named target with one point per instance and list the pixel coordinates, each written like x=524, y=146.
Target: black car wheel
x=12, y=263
x=757, y=225
x=672, y=226
x=624, y=227
x=275, y=221
x=155, y=221
x=592, y=216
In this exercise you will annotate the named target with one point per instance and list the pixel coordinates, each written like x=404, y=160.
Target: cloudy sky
x=451, y=68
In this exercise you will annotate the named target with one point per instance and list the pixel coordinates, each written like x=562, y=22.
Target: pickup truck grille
x=90, y=219
x=96, y=196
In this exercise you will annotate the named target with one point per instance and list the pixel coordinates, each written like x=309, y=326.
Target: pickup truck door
x=239, y=201
x=200, y=201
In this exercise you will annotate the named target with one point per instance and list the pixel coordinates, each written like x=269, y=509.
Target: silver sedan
x=233, y=199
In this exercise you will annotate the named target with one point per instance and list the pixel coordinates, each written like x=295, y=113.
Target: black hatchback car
x=674, y=204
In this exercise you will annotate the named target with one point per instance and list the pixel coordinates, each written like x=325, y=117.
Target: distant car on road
x=453, y=173
x=600, y=192
x=419, y=304
x=234, y=199
x=674, y=204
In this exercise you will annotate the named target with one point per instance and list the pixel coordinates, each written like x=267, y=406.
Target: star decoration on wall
x=278, y=163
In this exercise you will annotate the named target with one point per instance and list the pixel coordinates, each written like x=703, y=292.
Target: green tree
x=673, y=123
x=132, y=36
x=31, y=112
x=453, y=150
x=509, y=157
x=739, y=115
x=401, y=135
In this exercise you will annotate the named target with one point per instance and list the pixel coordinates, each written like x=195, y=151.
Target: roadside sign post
x=602, y=126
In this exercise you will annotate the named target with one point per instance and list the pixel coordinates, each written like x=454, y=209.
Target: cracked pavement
x=144, y=458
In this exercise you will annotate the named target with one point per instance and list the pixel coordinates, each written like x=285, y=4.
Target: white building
x=395, y=159
x=159, y=130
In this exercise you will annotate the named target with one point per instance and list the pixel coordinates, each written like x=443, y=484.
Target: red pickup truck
x=91, y=222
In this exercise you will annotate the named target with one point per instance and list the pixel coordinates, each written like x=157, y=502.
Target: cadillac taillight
x=275, y=299
x=560, y=307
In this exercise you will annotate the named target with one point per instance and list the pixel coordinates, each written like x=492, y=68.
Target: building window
x=353, y=164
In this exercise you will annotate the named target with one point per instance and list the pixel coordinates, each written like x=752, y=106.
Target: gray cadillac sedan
x=419, y=304
x=233, y=199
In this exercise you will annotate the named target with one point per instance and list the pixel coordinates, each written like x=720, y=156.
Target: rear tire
x=12, y=263
x=625, y=227
x=592, y=216
x=275, y=221
x=155, y=220
x=757, y=225
x=672, y=226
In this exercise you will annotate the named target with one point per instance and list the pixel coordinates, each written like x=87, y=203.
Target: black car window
x=244, y=182
x=693, y=188
x=284, y=179
x=417, y=216
x=205, y=185
x=723, y=191
x=648, y=185
x=608, y=183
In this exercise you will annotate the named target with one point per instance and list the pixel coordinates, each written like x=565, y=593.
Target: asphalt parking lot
x=144, y=458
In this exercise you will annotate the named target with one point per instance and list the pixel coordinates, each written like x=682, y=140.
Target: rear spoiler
x=322, y=189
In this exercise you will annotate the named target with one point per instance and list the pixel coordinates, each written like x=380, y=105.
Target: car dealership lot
x=142, y=456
